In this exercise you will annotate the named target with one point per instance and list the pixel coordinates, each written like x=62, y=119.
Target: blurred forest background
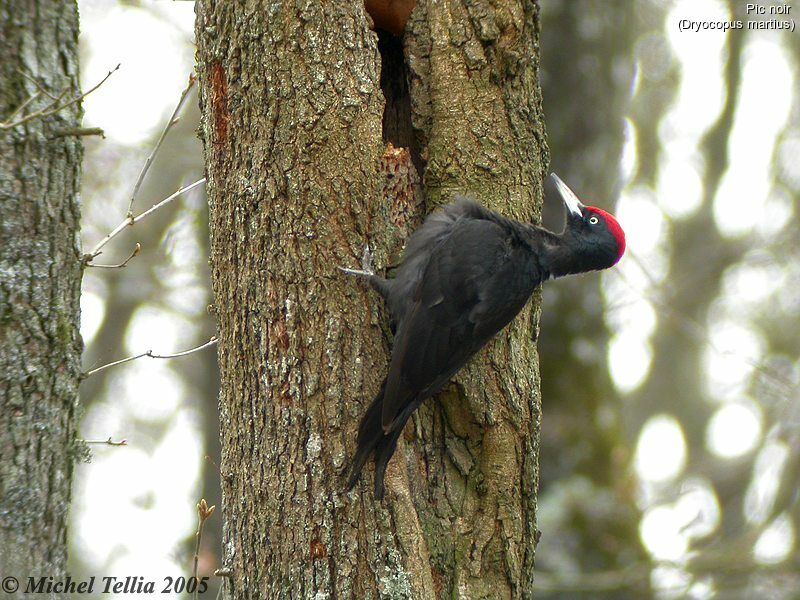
x=671, y=434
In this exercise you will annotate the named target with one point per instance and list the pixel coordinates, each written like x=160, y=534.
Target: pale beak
x=574, y=205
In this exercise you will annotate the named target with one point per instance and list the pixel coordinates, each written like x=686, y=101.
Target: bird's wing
x=475, y=281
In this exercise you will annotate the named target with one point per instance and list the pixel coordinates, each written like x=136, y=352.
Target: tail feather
x=385, y=449
x=370, y=433
x=373, y=440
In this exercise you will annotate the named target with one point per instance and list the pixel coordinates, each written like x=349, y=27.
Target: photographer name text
x=131, y=584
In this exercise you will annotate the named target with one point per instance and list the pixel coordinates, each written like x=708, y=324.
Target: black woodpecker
x=466, y=273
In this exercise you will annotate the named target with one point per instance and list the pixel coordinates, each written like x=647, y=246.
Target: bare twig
x=165, y=201
x=204, y=512
x=130, y=220
x=150, y=354
x=172, y=121
x=22, y=106
x=121, y=265
x=53, y=107
x=80, y=132
x=108, y=442
x=38, y=85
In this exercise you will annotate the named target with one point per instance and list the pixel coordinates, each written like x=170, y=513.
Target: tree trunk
x=299, y=180
x=40, y=276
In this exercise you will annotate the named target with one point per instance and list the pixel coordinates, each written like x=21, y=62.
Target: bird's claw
x=366, y=260
x=366, y=265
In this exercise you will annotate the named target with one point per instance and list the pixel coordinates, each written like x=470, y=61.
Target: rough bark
x=40, y=277
x=299, y=181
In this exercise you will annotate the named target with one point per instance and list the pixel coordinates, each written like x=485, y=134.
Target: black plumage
x=466, y=273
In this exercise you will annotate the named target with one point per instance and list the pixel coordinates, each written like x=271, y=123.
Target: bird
x=465, y=274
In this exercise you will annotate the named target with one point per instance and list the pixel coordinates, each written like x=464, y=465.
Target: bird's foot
x=366, y=265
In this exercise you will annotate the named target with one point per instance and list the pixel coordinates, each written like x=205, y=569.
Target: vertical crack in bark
x=398, y=128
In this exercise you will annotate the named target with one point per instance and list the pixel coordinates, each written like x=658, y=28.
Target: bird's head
x=593, y=234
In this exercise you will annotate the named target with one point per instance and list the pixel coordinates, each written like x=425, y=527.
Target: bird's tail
x=372, y=439
x=384, y=451
x=370, y=434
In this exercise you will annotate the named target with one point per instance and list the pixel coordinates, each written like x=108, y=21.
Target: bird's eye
x=594, y=220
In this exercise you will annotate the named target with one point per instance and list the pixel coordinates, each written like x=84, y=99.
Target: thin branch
x=121, y=265
x=172, y=121
x=108, y=442
x=130, y=221
x=204, y=512
x=80, y=132
x=225, y=578
x=22, y=106
x=150, y=354
x=54, y=106
x=38, y=85
x=210, y=342
x=165, y=201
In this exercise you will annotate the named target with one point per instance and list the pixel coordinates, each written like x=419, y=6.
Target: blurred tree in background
x=712, y=415
x=589, y=520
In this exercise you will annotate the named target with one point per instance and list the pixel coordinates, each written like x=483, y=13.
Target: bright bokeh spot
x=670, y=582
x=702, y=589
x=150, y=390
x=734, y=429
x=153, y=53
x=93, y=311
x=661, y=450
x=751, y=283
x=777, y=541
x=767, y=473
x=629, y=358
x=640, y=217
x=629, y=353
x=661, y=534
x=698, y=508
x=701, y=92
x=766, y=93
x=776, y=213
x=109, y=515
x=628, y=161
x=679, y=185
x=788, y=151
x=162, y=331
x=699, y=100
x=730, y=355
